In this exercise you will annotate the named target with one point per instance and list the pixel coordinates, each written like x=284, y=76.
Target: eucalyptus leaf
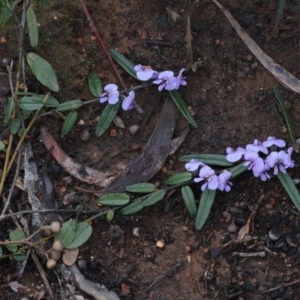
x=189, y=200
x=66, y=234
x=182, y=107
x=208, y=159
x=123, y=62
x=32, y=27
x=82, y=234
x=43, y=71
x=142, y=188
x=8, y=110
x=115, y=199
x=69, y=105
x=290, y=188
x=179, y=178
x=153, y=198
x=69, y=122
x=107, y=118
x=15, y=125
x=206, y=202
x=95, y=84
x=132, y=208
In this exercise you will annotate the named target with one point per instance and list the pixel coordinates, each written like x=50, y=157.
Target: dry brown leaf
x=70, y=256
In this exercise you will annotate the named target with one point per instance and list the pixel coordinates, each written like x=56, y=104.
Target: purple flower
x=224, y=183
x=256, y=147
x=253, y=161
x=290, y=151
x=166, y=80
x=271, y=140
x=128, y=101
x=144, y=73
x=180, y=80
x=111, y=95
x=263, y=174
x=193, y=165
x=234, y=155
x=208, y=175
x=279, y=161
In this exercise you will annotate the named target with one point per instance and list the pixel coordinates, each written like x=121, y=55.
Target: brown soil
x=232, y=98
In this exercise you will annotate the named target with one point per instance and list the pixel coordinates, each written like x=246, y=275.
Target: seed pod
x=57, y=246
x=51, y=263
x=55, y=255
x=55, y=227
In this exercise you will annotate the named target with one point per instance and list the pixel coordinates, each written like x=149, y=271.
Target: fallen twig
x=281, y=286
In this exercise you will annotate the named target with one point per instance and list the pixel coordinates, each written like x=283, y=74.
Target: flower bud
x=51, y=263
x=55, y=255
x=57, y=246
x=55, y=227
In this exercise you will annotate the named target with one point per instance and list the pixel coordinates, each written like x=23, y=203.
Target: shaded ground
x=233, y=102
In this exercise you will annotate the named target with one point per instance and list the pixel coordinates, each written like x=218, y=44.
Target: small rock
x=115, y=231
x=274, y=234
x=162, y=21
x=160, y=243
x=184, y=228
x=133, y=129
x=254, y=66
x=135, y=231
x=85, y=135
x=206, y=85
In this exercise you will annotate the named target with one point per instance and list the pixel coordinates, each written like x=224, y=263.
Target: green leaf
x=30, y=103
x=132, y=208
x=18, y=256
x=237, y=170
x=51, y=101
x=208, y=159
x=206, y=202
x=115, y=199
x=16, y=235
x=290, y=188
x=286, y=114
x=153, y=198
x=179, y=178
x=110, y=215
x=2, y=146
x=95, y=84
x=43, y=3
x=8, y=110
x=69, y=122
x=107, y=117
x=32, y=27
x=82, y=234
x=189, y=200
x=182, y=107
x=12, y=247
x=123, y=62
x=1, y=252
x=69, y=105
x=5, y=14
x=43, y=71
x=15, y=125
x=143, y=188
x=66, y=234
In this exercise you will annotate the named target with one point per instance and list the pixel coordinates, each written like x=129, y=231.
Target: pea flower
x=292, y=163
x=257, y=146
x=144, y=73
x=253, y=161
x=263, y=174
x=271, y=140
x=208, y=175
x=234, y=155
x=128, y=101
x=193, y=165
x=166, y=80
x=279, y=161
x=224, y=183
x=180, y=80
x=111, y=94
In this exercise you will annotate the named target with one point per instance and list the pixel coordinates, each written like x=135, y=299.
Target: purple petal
x=103, y=99
x=165, y=75
x=213, y=182
x=111, y=87
x=193, y=165
x=128, y=101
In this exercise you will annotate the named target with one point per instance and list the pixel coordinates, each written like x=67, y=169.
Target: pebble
x=162, y=21
x=206, y=85
x=133, y=129
x=115, y=231
x=85, y=135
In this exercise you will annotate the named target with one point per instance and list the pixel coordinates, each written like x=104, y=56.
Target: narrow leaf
x=32, y=27
x=179, y=178
x=237, y=170
x=69, y=105
x=209, y=159
x=2, y=146
x=182, y=107
x=123, y=62
x=43, y=71
x=82, y=234
x=286, y=114
x=153, y=198
x=15, y=125
x=66, y=234
x=206, y=202
x=107, y=118
x=115, y=199
x=290, y=188
x=95, y=84
x=8, y=110
x=141, y=188
x=69, y=122
x=132, y=208
x=189, y=200
x=31, y=103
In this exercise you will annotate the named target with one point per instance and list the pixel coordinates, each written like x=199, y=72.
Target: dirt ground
x=233, y=102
